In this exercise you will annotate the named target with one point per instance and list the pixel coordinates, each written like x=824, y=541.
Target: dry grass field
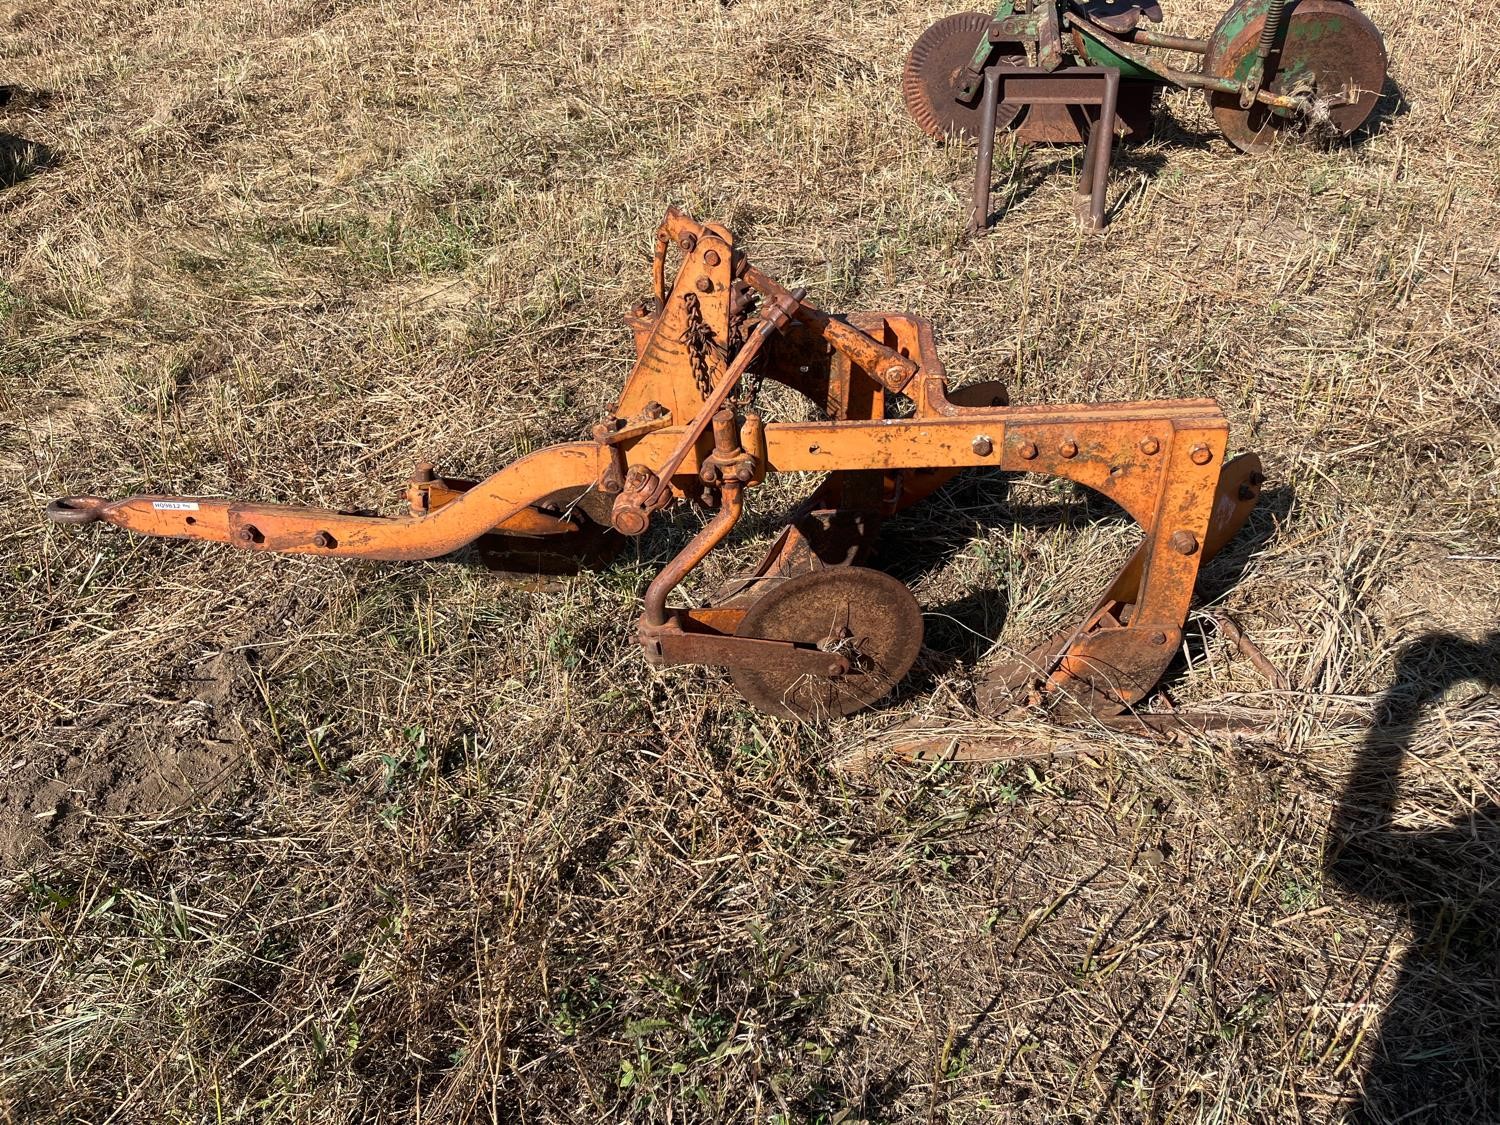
x=290, y=839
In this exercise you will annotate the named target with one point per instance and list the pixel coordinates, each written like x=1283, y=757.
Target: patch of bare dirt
x=140, y=761
x=138, y=754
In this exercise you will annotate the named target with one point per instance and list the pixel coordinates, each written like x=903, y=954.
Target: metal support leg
x=1093, y=184
x=988, y=109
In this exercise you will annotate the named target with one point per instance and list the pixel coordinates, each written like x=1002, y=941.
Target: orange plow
x=807, y=632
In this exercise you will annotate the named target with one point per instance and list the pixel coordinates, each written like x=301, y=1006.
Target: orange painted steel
x=698, y=343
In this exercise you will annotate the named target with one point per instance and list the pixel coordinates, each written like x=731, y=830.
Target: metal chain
x=698, y=337
x=742, y=302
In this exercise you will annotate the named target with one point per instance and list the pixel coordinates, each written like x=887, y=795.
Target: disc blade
x=931, y=78
x=866, y=616
x=1330, y=51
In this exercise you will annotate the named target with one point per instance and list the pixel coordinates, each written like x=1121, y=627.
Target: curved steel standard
x=806, y=631
x=1051, y=70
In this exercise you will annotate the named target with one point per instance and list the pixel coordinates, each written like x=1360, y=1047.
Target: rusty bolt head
x=248, y=534
x=1150, y=445
x=983, y=446
x=1158, y=638
x=744, y=472
x=1184, y=542
x=629, y=521
x=1028, y=450
x=1068, y=449
x=709, y=473
x=688, y=243
x=323, y=539
x=1201, y=454
x=710, y=257
x=705, y=285
x=654, y=410
x=423, y=474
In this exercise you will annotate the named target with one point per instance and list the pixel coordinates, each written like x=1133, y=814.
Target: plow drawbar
x=808, y=632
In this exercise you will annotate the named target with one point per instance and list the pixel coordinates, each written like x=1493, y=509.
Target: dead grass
x=288, y=839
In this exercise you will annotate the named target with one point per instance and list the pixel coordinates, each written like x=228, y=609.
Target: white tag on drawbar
x=174, y=505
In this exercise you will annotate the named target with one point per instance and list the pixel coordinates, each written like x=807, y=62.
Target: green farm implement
x=1051, y=71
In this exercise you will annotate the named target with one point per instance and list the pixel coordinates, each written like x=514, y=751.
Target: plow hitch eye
x=76, y=509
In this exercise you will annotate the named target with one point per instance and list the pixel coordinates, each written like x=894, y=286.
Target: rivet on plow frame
x=1150, y=445
x=1028, y=450
x=324, y=540
x=1158, y=638
x=1201, y=454
x=688, y=242
x=1068, y=449
x=248, y=534
x=1184, y=542
x=705, y=285
x=710, y=257
x=982, y=446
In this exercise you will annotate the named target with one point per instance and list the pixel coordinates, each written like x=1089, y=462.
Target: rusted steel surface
x=1083, y=87
x=865, y=618
x=806, y=632
x=1328, y=56
x=1271, y=68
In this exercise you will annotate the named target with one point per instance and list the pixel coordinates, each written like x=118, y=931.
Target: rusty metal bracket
x=670, y=644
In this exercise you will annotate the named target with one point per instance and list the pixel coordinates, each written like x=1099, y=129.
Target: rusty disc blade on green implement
x=933, y=75
x=1329, y=52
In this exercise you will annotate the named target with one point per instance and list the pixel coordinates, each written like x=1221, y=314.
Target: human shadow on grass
x=1437, y=1055
x=20, y=159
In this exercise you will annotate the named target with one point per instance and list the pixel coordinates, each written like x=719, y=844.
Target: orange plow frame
x=675, y=433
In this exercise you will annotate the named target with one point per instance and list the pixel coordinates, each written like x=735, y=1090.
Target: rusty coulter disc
x=930, y=81
x=1329, y=50
x=865, y=616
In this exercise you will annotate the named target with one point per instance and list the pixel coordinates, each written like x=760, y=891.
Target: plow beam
x=500, y=503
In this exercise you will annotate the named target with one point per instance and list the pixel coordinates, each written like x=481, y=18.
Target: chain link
x=698, y=337
x=742, y=301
